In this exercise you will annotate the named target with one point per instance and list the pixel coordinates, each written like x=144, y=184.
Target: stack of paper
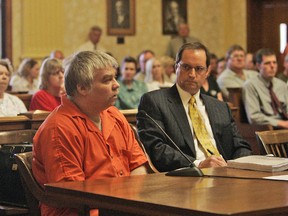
x=260, y=163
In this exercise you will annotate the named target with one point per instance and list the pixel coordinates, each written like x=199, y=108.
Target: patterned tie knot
x=192, y=100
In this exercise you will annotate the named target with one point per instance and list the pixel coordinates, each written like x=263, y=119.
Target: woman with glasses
x=51, y=86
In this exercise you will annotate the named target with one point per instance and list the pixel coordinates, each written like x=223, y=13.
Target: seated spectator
x=211, y=88
x=58, y=54
x=51, y=86
x=143, y=57
x=130, y=90
x=168, y=65
x=155, y=75
x=266, y=97
x=221, y=66
x=10, y=105
x=86, y=137
x=213, y=65
x=250, y=62
x=235, y=74
x=284, y=75
x=26, y=79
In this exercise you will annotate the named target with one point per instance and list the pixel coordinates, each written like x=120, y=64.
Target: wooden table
x=220, y=193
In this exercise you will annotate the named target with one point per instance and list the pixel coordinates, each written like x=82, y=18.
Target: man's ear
x=82, y=90
x=208, y=71
x=258, y=66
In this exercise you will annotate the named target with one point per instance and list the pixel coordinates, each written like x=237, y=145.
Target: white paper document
x=260, y=163
x=278, y=177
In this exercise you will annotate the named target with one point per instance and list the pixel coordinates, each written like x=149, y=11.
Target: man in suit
x=170, y=108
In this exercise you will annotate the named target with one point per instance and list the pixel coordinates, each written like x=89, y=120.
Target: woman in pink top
x=51, y=86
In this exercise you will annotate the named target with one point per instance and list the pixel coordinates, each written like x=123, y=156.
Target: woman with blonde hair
x=51, y=86
x=26, y=79
x=10, y=105
x=168, y=65
x=154, y=76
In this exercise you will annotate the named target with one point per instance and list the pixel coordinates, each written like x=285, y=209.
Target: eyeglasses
x=57, y=72
x=188, y=68
x=237, y=56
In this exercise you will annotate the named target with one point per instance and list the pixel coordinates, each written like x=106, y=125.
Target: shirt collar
x=186, y=96
x=266, y=82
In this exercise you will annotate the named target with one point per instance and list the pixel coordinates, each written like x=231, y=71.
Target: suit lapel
x=177, y=110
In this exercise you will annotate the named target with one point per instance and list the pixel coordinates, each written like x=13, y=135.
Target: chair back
x=35, y=193
x=33, y=190
x=151, y=168
x=274, y=142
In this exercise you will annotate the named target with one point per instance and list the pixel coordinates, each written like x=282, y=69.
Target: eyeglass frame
x=57, y=72
x=198, y=69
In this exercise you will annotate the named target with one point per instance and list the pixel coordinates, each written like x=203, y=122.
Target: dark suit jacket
x=166, y=107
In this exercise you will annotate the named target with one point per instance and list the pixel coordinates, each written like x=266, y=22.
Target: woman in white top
x=26, y=79
x=10, y=105
x=154, y=75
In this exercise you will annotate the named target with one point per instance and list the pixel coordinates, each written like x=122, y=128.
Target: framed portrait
x=121, y=17
x=173, y=13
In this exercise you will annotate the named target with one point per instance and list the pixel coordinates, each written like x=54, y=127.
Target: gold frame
x=114, y=30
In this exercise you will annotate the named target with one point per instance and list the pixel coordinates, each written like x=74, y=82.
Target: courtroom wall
x=41, y=26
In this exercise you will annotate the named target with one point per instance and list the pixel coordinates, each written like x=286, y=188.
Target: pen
x=210, y=151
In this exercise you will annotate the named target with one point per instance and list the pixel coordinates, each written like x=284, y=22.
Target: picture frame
x=173, y=13
x=121, y=17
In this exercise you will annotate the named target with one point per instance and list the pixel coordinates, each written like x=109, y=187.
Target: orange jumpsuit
x=69, y=147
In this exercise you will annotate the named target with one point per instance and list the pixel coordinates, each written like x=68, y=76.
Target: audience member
x=175, y=111
x=210, y=87
x=235, y=73
x=250, y=62
x=51, y=86
x=221, y=66
x=182, y=38
x=168, y=65
x=265, y=96
x=86, y=137
x=94, y=37
x=10, y=105
x=213, y=65
x=130, y=90
x=143, y=58
x=26, y=79
x=155, y=75
x=58, y=54
x=284, y=75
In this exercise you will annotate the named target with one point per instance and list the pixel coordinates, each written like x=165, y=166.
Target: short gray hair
x=80, y=69
x=6, y=63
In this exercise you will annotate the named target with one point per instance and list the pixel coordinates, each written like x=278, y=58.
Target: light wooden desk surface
x=157, y=194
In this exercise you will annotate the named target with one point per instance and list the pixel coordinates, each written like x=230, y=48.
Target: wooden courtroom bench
x=130, y=115
x=235, y=97
x=14, y=123
x=36, y=117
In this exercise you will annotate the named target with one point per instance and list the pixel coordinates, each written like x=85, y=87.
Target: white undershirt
x=185, y=97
